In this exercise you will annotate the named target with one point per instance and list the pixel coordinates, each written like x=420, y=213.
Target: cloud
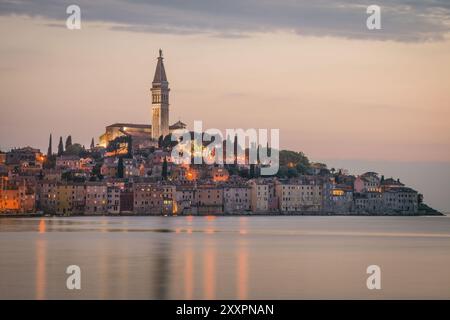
x=402, y=20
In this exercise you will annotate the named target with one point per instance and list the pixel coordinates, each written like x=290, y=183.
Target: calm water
x=225, y=257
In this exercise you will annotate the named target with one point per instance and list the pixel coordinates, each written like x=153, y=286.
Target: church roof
x=160, y=72
x=120, y=125
x=177, y=125
x=130, y=125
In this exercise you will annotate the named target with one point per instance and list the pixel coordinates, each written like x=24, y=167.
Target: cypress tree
x=60, y=147
x=120, y=168
x=68, y=142
x=164, y=169
x=49, y=150
x=252, y=170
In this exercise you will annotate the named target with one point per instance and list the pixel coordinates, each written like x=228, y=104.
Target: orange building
x=17, y=199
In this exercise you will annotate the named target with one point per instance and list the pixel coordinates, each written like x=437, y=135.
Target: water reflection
x=162, y=273
x=224, y=257
x=42, y=226
x=242, y=261
x=209, y=263
x=41, y=268
x=189, y=271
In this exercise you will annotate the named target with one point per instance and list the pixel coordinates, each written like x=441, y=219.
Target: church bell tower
x=160, y=101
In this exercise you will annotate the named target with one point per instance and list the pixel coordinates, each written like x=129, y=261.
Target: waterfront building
x=127, y=199
x=237, y=198
x=299, y=196
x=113, y=195
x=209, y=198
x=259, y=195
x=96, y=198
x=148, y=198
x=169, y=203
x=337, y=198
x=370, y=202
x=401, y=200
x=185, y=197
x=16, y=198
x=289, y=197
x=272, y=201
x=46, y=195
x=70, y=198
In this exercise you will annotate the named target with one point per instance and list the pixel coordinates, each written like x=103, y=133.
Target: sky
x=336, y=90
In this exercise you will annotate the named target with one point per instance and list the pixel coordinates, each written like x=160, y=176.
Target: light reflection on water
x=225, y=257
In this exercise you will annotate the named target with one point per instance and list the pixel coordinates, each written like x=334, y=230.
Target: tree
x=49, y=150
x=68, y=141
x=301, y=168
x=164, y=169
x=168, y=143
x=252, y=171
x=50, y=162
x=235, y=149
x=292, y=173
x=60, y=147
x=96, y=171
x=288, y=157
x=75, y=149
x=92, y=143
x=120, y=168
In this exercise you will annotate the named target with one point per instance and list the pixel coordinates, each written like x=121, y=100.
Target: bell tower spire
x=160, y=100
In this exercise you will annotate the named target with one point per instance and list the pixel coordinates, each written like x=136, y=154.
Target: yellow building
x=70, y=198
x=297, y=196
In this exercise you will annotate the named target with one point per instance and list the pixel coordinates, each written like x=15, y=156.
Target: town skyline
x=349, y=97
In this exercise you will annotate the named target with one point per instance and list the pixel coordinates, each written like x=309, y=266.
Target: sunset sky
x=334, y=89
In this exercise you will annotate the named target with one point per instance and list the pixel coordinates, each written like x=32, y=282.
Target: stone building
x=148, y=198
x=236, y=198
x=209, y=199
x=96, y=198
x=259, y=196
x=401, y=200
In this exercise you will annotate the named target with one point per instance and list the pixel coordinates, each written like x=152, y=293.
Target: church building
x=144, y=134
